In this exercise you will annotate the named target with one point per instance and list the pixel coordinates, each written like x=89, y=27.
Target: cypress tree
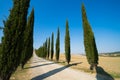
x=52, y=46
x=12, y=43
x=89, y=41
x=0, y=49
x=43, y=54
x=58, y=45
x=48, y=48
x=67, y=44
x=31, y=24
x=28, y=40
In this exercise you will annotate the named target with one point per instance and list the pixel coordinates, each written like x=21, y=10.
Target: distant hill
x=111, y=54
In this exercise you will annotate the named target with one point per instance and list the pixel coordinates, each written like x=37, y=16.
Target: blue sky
x=103, y=16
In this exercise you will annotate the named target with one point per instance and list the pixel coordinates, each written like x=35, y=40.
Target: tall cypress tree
x=89, y=41
x=13, y=38
x=0, y=49
x=28, y=40
x=31, y=22
x=44, y=51
x=48, y=48
x=52, y=46
x=67, y=44
x=58, y=45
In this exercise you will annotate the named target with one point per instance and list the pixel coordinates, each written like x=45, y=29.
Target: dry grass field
x=110, y=64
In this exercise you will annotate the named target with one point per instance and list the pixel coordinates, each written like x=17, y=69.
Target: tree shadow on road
x=52, y=72
x=39, y=65
x=36, y=62
x=102, y=74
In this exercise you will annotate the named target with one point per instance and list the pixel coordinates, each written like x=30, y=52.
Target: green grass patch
x=115, y=75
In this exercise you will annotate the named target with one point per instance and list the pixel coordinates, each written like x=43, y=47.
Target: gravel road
x=41, y=69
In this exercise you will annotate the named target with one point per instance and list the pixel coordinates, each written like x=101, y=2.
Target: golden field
x=110, y=64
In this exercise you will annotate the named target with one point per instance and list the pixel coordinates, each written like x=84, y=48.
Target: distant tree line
x=17, y=43
x=41, y=52
x=89, y=44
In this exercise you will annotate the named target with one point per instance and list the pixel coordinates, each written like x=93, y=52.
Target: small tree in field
x=67, y=44
x=89, y=41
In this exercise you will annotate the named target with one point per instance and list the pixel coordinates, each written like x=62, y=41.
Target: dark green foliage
x=67, y=44
x=12, y=44
x=48, y=53
x=58, y=45
x=0, y=49
x=46, y=46
x=28, y=40
x=52, y=46
x=89, y=41
x=42, y=51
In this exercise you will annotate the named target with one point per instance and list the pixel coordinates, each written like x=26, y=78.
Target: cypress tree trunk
x=58, y=45
x=67, y=44
x=52, y=46
x=12, y=43
x=89, y=41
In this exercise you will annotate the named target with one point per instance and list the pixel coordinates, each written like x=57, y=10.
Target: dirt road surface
x=41, y=69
